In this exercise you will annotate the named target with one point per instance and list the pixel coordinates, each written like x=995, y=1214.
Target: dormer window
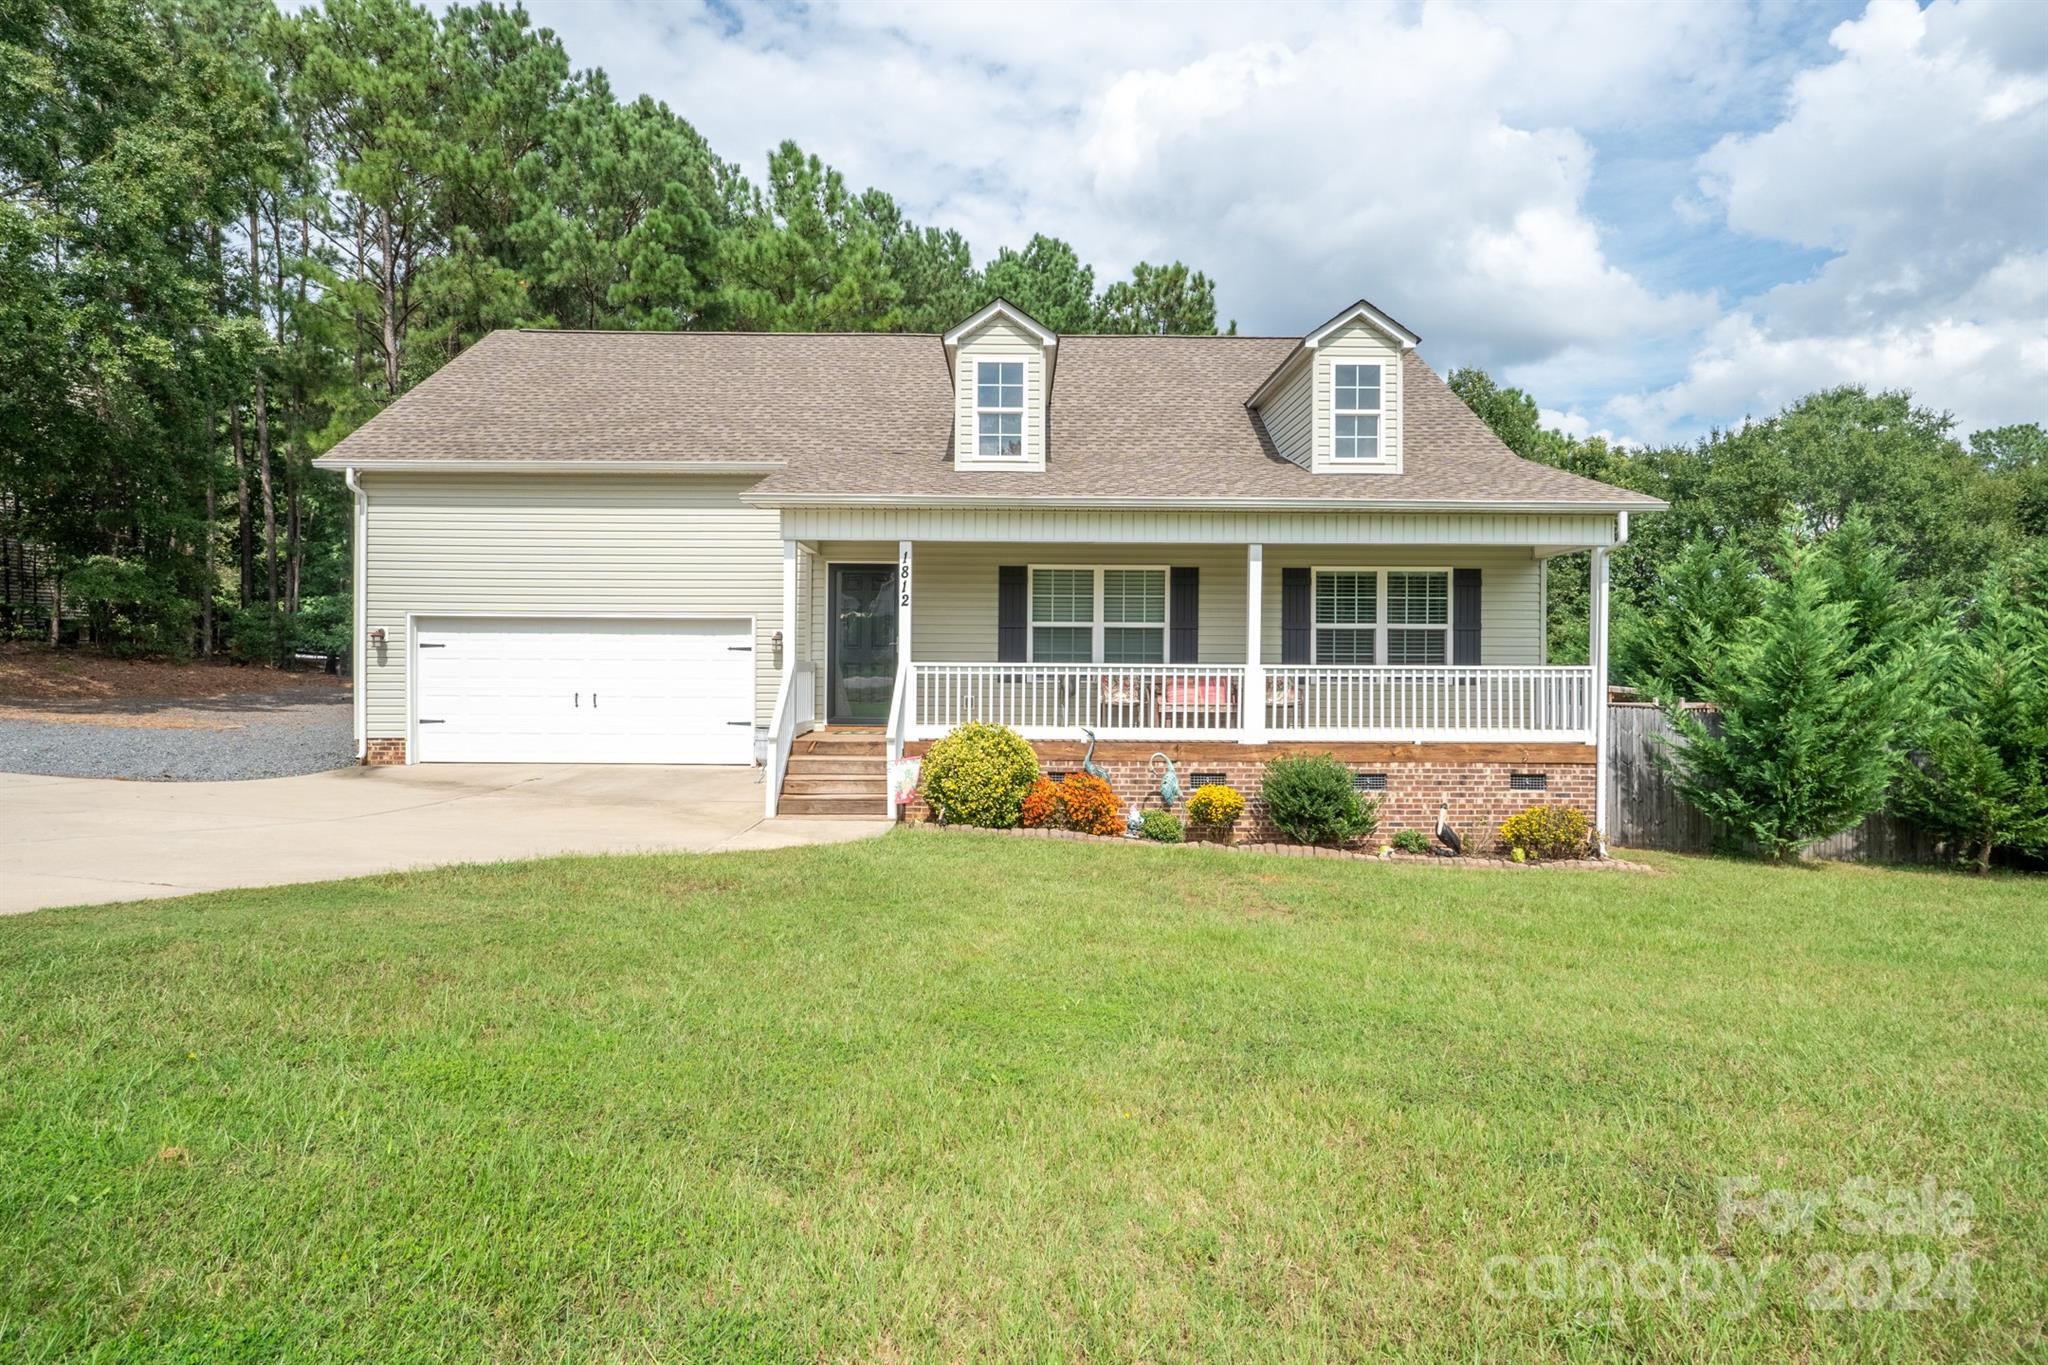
x=1357, y=410
x=999, y=408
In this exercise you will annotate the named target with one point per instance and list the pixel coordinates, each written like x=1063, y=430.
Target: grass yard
x=938, y=1097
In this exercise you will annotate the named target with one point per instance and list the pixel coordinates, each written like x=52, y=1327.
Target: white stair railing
x=892, y=742
x=795, y=710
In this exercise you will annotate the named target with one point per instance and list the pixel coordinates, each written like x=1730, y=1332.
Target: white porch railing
x=1334, y=702
x=1053, y=701
x=795, y=712
x=1302, y=702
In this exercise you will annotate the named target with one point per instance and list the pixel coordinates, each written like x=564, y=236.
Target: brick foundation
x=1471, y=778
x=380, y=753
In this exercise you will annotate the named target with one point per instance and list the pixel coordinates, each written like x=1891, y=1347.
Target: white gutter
x=608, y=466
x=1028, y=503
x=359, y=647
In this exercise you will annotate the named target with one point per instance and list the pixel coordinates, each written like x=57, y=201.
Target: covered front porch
x=1338, y=641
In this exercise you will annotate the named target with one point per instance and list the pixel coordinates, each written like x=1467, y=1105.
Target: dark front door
x=862, y=658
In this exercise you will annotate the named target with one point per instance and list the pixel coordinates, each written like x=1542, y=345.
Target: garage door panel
x=585, y=691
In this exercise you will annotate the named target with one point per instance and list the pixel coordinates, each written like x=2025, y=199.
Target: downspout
x=359, y=651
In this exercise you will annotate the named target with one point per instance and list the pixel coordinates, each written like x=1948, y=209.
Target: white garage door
x=584, y=691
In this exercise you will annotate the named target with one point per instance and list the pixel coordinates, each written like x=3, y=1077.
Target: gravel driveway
x=278, y=734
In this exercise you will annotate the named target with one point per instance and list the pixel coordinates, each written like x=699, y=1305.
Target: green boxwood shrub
x=979, y=775
x=1409, y=841
x=1161, y=827
x=1311, y=800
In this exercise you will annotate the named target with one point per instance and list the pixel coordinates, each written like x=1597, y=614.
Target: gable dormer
x=1002, y=361
x=1334, y=406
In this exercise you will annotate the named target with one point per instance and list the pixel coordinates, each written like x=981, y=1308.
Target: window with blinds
x=1110, y=616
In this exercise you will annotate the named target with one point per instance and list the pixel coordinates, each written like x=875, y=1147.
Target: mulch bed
x=1312, y=851
x=36, y=673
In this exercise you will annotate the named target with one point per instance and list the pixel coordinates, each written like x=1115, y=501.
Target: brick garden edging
x=1303, y=850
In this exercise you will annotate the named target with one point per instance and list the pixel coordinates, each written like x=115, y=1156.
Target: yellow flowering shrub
x=979, y=775
x=1546, y=832
x=1215, y=804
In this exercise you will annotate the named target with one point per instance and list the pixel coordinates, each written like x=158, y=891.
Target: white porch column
x=903, y=577
x=1253, y=722
x=1597, y=657
x=790, y=550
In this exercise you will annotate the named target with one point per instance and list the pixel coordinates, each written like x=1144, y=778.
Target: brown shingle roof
x=867, y=416
x=714, y=397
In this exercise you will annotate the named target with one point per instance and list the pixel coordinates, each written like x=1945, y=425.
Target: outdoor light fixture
x=377, y=636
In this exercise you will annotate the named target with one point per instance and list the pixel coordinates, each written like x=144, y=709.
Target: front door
x=861, y=661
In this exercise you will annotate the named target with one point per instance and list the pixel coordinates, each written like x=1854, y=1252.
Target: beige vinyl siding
x=1510, y=591
x=1354, y=343
x=1290, y=415
x=1365, y=526
x=953, y=603
x=563, y=545
x=999, y=339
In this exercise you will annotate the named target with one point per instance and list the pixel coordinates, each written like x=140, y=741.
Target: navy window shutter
x=1465, y=614
x=1296, y=631
x=1186, y=590
x=1013, y=613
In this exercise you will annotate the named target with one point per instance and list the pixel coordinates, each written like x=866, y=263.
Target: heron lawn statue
x=1445, y=835
x=1088, y=764
x=1169, y=785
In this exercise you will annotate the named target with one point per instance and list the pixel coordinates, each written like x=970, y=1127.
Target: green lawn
x=937, y=1097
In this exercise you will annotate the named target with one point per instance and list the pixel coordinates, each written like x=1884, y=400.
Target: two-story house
x=818, y=553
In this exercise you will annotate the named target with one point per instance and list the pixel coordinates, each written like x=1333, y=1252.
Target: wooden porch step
x=869, y=784
x=863, y=806
x=830, y=764
x=840, y=744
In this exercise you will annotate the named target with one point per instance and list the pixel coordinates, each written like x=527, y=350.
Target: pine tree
x=1160, y=300
x=1983, y=780
x=1047, y=280
x=1813, y=726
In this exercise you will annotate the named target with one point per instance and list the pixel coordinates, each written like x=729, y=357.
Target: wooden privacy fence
x=1644, y=809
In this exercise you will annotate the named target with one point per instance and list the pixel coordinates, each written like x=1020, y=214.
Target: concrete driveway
x=75, y=841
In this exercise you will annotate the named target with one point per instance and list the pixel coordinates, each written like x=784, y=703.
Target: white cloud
x=1303, y=156
x=1442, y=158
x=1917, y=156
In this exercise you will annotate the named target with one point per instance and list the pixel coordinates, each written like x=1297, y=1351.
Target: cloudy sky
x=1656, y=217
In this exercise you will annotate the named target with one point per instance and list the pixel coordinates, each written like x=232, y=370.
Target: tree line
x=230, y=235
x=1861, y=594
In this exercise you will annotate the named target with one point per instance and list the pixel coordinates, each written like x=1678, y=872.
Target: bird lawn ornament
x=1088, y=764
x=1445, y=835
x=1169, y=785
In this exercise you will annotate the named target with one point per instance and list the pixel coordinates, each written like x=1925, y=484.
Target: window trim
x=1379, y=455
x=1023, y=365
x=1096, y=626
x=1380, y=624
